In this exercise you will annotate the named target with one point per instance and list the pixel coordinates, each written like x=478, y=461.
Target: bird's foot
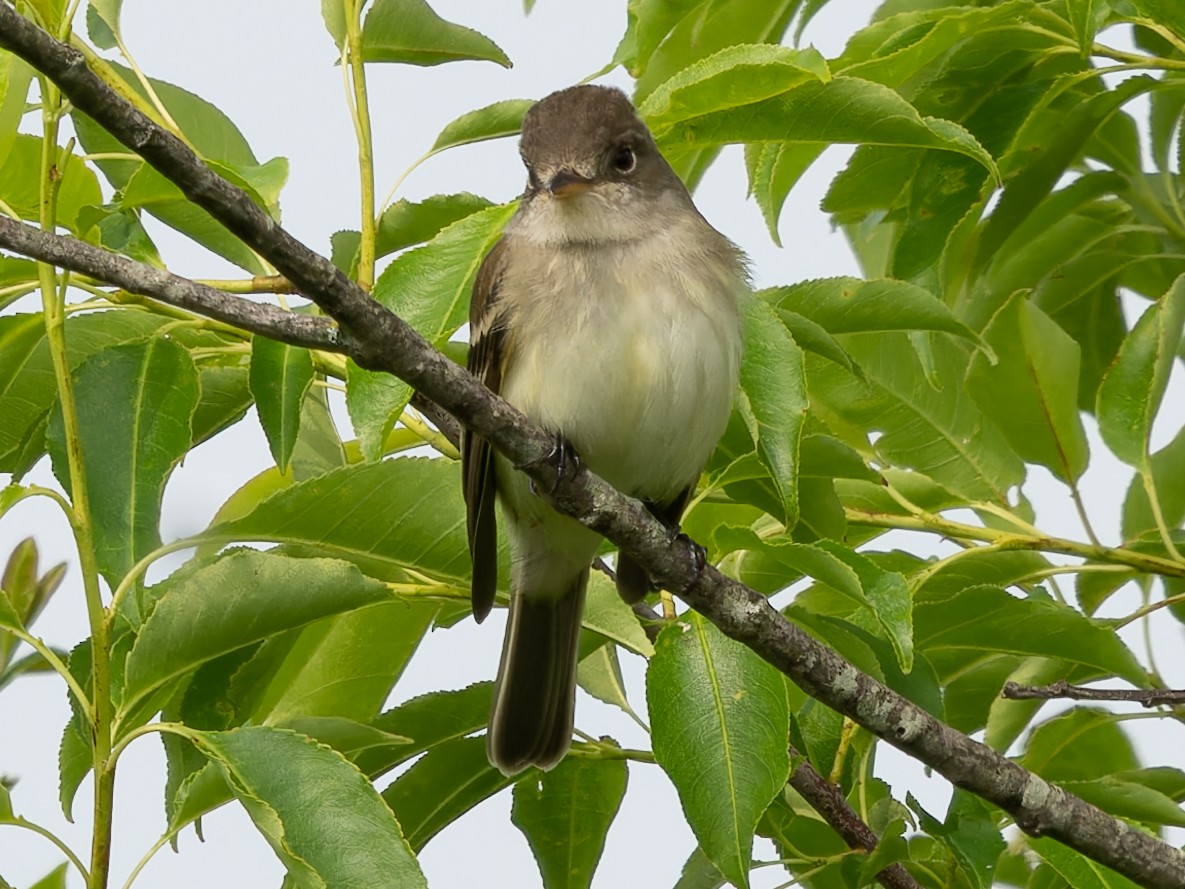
x=562, y=461
x=698, y=555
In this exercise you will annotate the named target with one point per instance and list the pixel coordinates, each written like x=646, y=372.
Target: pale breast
x=632, y=353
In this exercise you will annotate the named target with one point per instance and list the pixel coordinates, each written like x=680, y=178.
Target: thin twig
x=1149, y=697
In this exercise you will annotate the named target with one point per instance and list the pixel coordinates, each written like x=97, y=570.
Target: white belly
x=638, y=373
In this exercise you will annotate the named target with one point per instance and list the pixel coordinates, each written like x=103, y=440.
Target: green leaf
x=802, y=558
x=938, y=432
x=428, y=288
x=280, y=377
x=986, y=619
x=851, y=305
x=565, y=815
x=607, y=615
x=774, y=168
x=1076, y=869
x=333, y=13
x=216, y=139
x=15, y=77
x=409, y=31
x=55, y=879
x=495, y=121
x=322, y=818
x=1128, y=799
x=102, y=22
x=599, y=674
x=389, y=518
x=773, y=400
x=970, y=834
x=429, y=721
x=134, y=404
x=27, y=386
x=1031, y=390
x=406, y=223
x=699, y=873
x=1027, y=189
x=444, y=784
x=1167, y=467
x=887, y=597
x=209, y=610
x=342, y=666
x=648, y=23
x=1080, y=745
x=1084, y=17
x=731, y=78
x=841, y=110
x=720, y=724
x=1131, y=392
x=20, y=175
x=1162, y=12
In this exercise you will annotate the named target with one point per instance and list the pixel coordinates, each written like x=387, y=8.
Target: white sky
x=269, y=65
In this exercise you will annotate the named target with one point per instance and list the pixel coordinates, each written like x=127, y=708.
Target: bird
x=609, y=313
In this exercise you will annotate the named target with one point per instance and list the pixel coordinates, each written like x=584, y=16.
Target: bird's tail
x=535, y=696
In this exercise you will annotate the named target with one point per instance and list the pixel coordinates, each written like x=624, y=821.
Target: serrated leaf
x=444, y=784
x=429, y=721
x=1031, y=389
x=322, y=818
x=774, y=168
x=1131, y=392
x=15, y=78
x=1076, y=869
x=887, y=597
x=736, y=76
x=20, y=176
x=1167, y=467
x=102, y=22
x=428, y=288
x=1080, y=745
x=495, y=121
x=27, y=386
x=409, y=31
x=970, y=835
x=937, y=432
x=134, y=404
x=773, y=400
x=243, y=597
x=1128, y=799
x=720, y=723
x=388, y=517
x=280, y=376
x=841, y=110
x=987, y=619
x=606, y=614
x=599, y=674
x=565, y=815
x=851, y=305
x=803, y=558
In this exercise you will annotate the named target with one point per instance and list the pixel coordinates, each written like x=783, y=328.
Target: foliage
x=1005, y=219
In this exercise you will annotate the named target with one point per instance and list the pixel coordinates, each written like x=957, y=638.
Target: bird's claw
x=699, y=555
x=562, y=461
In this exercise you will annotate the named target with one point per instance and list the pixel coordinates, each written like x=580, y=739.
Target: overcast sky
x=269, y=64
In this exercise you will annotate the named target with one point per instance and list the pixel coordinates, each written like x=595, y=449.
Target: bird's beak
x=566, y=184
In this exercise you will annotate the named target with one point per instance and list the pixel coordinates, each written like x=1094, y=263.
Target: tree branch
x=379, y=340
x=1149, y=697
x=267, y=320
x=826, y=799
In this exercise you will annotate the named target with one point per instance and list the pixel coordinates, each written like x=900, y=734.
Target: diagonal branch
x=379, y=340
x=267, y=320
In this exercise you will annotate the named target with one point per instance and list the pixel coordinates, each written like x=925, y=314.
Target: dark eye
x=624, y=159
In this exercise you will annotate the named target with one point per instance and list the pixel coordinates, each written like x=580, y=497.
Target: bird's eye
x=624, y=159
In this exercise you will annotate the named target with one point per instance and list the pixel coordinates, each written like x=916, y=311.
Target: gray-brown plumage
x=607, y=313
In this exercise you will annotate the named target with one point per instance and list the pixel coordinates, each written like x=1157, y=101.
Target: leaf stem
x=1006, y=540
x=1157, y=513
x=36, y=828
x=53, y=310
x=360, y=111
x=1080, y=506
x=61, y=669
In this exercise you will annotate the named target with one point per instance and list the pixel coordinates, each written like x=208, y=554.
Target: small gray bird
x=608, y=314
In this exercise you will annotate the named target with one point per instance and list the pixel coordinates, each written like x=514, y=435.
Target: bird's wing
x=486, y=357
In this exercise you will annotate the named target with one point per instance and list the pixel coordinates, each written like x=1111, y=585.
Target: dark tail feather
x=535, y=697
